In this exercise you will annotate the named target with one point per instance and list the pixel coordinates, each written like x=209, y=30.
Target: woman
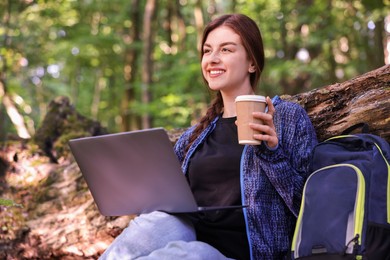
x=269, y=178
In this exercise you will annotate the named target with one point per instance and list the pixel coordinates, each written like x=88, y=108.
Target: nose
x=214, y=57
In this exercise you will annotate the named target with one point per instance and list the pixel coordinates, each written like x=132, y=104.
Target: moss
x=62, y=123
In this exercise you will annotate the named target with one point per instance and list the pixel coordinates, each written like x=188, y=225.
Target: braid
x=213, y=111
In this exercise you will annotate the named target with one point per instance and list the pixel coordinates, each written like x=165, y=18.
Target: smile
x=216, y=72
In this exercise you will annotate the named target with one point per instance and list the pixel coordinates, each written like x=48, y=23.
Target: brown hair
x=252, y=41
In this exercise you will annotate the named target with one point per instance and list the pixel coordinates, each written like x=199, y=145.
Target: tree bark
x=336, y=107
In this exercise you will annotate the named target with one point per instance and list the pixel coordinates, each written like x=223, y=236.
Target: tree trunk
x=336, y=107
x=147, y=66
x=99, y=86
x=199, y=22
x=181, y=27
x=12, y=111
x=129, y=120
x=16, y=118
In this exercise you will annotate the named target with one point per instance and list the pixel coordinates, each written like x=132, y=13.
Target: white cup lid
x=250, y=98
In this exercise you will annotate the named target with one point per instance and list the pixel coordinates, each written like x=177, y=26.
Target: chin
x=215, y=87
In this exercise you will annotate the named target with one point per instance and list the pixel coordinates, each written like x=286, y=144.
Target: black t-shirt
x=214, y=177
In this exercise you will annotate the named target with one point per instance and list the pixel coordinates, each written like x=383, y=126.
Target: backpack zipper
x=388, y=182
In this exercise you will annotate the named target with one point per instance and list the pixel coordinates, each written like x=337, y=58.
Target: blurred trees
x=135, y=64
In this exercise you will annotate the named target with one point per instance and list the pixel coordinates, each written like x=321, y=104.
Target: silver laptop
x=135, y=172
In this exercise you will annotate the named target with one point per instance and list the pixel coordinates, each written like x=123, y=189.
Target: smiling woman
x=268, y=178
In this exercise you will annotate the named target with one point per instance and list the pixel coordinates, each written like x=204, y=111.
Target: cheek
x=203, y=66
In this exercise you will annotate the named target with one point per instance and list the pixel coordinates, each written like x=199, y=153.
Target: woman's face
x=225, y=62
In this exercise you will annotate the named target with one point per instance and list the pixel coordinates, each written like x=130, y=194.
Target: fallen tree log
x=365, y=98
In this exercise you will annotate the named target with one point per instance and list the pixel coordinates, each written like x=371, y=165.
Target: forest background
x=133, y=64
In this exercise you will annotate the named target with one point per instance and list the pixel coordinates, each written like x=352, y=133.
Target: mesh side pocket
x=377, y=242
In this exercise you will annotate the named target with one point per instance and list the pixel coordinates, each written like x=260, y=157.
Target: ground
x=58, y=218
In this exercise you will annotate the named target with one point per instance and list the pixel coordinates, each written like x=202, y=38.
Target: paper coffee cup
x=245, y=105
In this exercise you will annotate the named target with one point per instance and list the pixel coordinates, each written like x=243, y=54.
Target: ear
x=252, y=68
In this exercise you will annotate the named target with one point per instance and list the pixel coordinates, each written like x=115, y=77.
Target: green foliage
x=78, y=49
x=9, y=203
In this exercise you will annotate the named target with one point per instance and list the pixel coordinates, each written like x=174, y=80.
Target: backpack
x=345, y=210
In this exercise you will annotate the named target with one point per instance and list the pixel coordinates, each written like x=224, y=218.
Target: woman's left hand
x=267, y=130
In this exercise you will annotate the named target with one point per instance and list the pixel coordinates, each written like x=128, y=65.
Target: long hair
x=252, y=41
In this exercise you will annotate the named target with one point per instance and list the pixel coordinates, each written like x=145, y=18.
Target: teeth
x=215, y=72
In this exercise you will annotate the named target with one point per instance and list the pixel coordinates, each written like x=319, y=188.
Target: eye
x=225, y=50
x=206, y=51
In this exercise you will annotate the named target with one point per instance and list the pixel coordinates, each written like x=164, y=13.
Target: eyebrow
x=223, y=44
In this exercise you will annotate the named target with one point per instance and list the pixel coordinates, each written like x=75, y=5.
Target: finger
x=264, y=129
x=267, y=134
x=271, y=108
x=262, y=116
x=272, y=141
